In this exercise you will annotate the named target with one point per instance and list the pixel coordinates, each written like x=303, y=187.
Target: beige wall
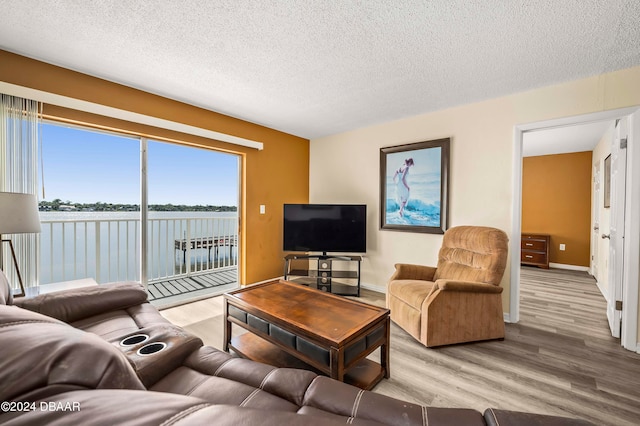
x=345, y=167
x=556, y=200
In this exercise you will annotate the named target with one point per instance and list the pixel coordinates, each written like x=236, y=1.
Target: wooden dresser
x=534, y=250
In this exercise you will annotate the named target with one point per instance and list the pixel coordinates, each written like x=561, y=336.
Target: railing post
x=98, y=227
x=144, y=214
x=187, y=263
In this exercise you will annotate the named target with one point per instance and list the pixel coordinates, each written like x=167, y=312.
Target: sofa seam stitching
x=264, y=381
x=22, y=322
x=219, y=369
x=249, y=397
x=356, y=403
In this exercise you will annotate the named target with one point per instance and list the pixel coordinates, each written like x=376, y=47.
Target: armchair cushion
x=473, y=253
x=405, y=271
x=467, y=286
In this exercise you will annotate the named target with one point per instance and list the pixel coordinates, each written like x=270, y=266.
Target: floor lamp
x=18, y=215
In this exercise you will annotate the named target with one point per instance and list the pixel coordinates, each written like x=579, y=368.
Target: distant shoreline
x=59, y=206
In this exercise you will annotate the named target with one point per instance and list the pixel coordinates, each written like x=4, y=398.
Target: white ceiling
x=316, y=68
x=563, y=140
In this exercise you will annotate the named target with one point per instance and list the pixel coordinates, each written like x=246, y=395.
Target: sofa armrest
x=76, y=304
x=467, y=286
x=405, y=271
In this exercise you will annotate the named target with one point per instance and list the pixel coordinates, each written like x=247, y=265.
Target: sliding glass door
x=120, y=208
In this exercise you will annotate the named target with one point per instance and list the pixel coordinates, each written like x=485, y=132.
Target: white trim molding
x=77, y=104
x=569, y=267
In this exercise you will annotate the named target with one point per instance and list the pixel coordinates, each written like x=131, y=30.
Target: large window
x=91, y=211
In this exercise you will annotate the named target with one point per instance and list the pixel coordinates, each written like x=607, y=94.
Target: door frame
x=595, y=220
x=629, y=339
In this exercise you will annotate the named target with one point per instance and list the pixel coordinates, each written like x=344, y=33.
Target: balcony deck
x=176, y=290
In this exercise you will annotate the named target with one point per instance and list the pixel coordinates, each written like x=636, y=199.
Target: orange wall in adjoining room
x=556, y=200
x=276, y=175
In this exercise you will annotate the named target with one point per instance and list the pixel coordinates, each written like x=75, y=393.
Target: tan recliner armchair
x=460, y=300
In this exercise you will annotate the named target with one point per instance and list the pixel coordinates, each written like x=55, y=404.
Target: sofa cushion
x=116, y=323
x=143, y=408
x=220, y=378
x=76, y=304
x=42, y=356
x=339, y=398
x=6, y=296
x=495, y=417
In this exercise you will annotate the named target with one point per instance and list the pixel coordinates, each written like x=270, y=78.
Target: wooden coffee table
x=290, y=325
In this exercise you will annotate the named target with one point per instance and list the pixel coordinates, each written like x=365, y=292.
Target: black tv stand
x=344, y=280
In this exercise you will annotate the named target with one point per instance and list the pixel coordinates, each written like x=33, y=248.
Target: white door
x=616, y=227
x=595, y=233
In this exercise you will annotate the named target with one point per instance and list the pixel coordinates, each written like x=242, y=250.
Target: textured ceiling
x=315, y=68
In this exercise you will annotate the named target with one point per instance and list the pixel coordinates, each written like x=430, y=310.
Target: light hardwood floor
x=559, y=359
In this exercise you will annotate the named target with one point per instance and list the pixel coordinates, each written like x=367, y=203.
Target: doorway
x=632, y=208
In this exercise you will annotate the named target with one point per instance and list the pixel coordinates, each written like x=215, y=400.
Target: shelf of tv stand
x=336, y=281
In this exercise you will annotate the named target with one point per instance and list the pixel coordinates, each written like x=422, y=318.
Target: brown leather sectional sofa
x=87, y=356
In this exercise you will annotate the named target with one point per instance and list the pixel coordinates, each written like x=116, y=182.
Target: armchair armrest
x=405, y=271
x=73, y=305
x=467, y=286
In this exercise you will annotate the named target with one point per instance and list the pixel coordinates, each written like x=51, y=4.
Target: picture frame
x=414, y=187
x=607, y=182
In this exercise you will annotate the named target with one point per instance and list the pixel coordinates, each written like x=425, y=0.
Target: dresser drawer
x=535, y=245
x=533, y=257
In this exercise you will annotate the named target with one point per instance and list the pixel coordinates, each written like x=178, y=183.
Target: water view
x=106, y=245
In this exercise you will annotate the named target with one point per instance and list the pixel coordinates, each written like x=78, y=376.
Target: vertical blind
x=19, y=144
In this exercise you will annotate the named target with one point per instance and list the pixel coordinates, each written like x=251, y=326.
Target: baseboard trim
x=373, y=288
x=507, y=317
x=604, y=293
x=569, y=267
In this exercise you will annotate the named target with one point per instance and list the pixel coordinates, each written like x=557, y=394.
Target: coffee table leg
x=337, y=364
x=384, y=350
x=227, y=326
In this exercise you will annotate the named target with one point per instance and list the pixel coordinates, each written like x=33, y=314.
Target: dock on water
x=205, y=243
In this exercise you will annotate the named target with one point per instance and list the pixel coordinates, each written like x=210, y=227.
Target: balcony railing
x=109, y=249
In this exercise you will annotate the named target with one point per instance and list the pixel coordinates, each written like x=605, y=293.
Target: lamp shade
x=18, y=213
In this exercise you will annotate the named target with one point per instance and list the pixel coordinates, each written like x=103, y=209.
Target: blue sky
x=86, y=167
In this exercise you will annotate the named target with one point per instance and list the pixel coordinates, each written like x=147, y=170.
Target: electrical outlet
x=562, y=247
x=262, y=209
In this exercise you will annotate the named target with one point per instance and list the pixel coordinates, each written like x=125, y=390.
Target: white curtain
x=19, y=144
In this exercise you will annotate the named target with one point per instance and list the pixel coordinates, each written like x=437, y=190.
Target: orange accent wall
x=556, y=200
x=276, y=175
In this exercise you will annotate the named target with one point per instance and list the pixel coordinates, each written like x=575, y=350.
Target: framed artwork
x=607, y=181
x=414, y=180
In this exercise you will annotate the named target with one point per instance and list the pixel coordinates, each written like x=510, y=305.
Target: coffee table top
x=324, y=315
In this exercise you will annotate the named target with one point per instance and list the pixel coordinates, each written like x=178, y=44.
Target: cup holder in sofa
x=151, y=348
x=134, y=340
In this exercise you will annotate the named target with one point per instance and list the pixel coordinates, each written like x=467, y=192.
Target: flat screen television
x=340, y=228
